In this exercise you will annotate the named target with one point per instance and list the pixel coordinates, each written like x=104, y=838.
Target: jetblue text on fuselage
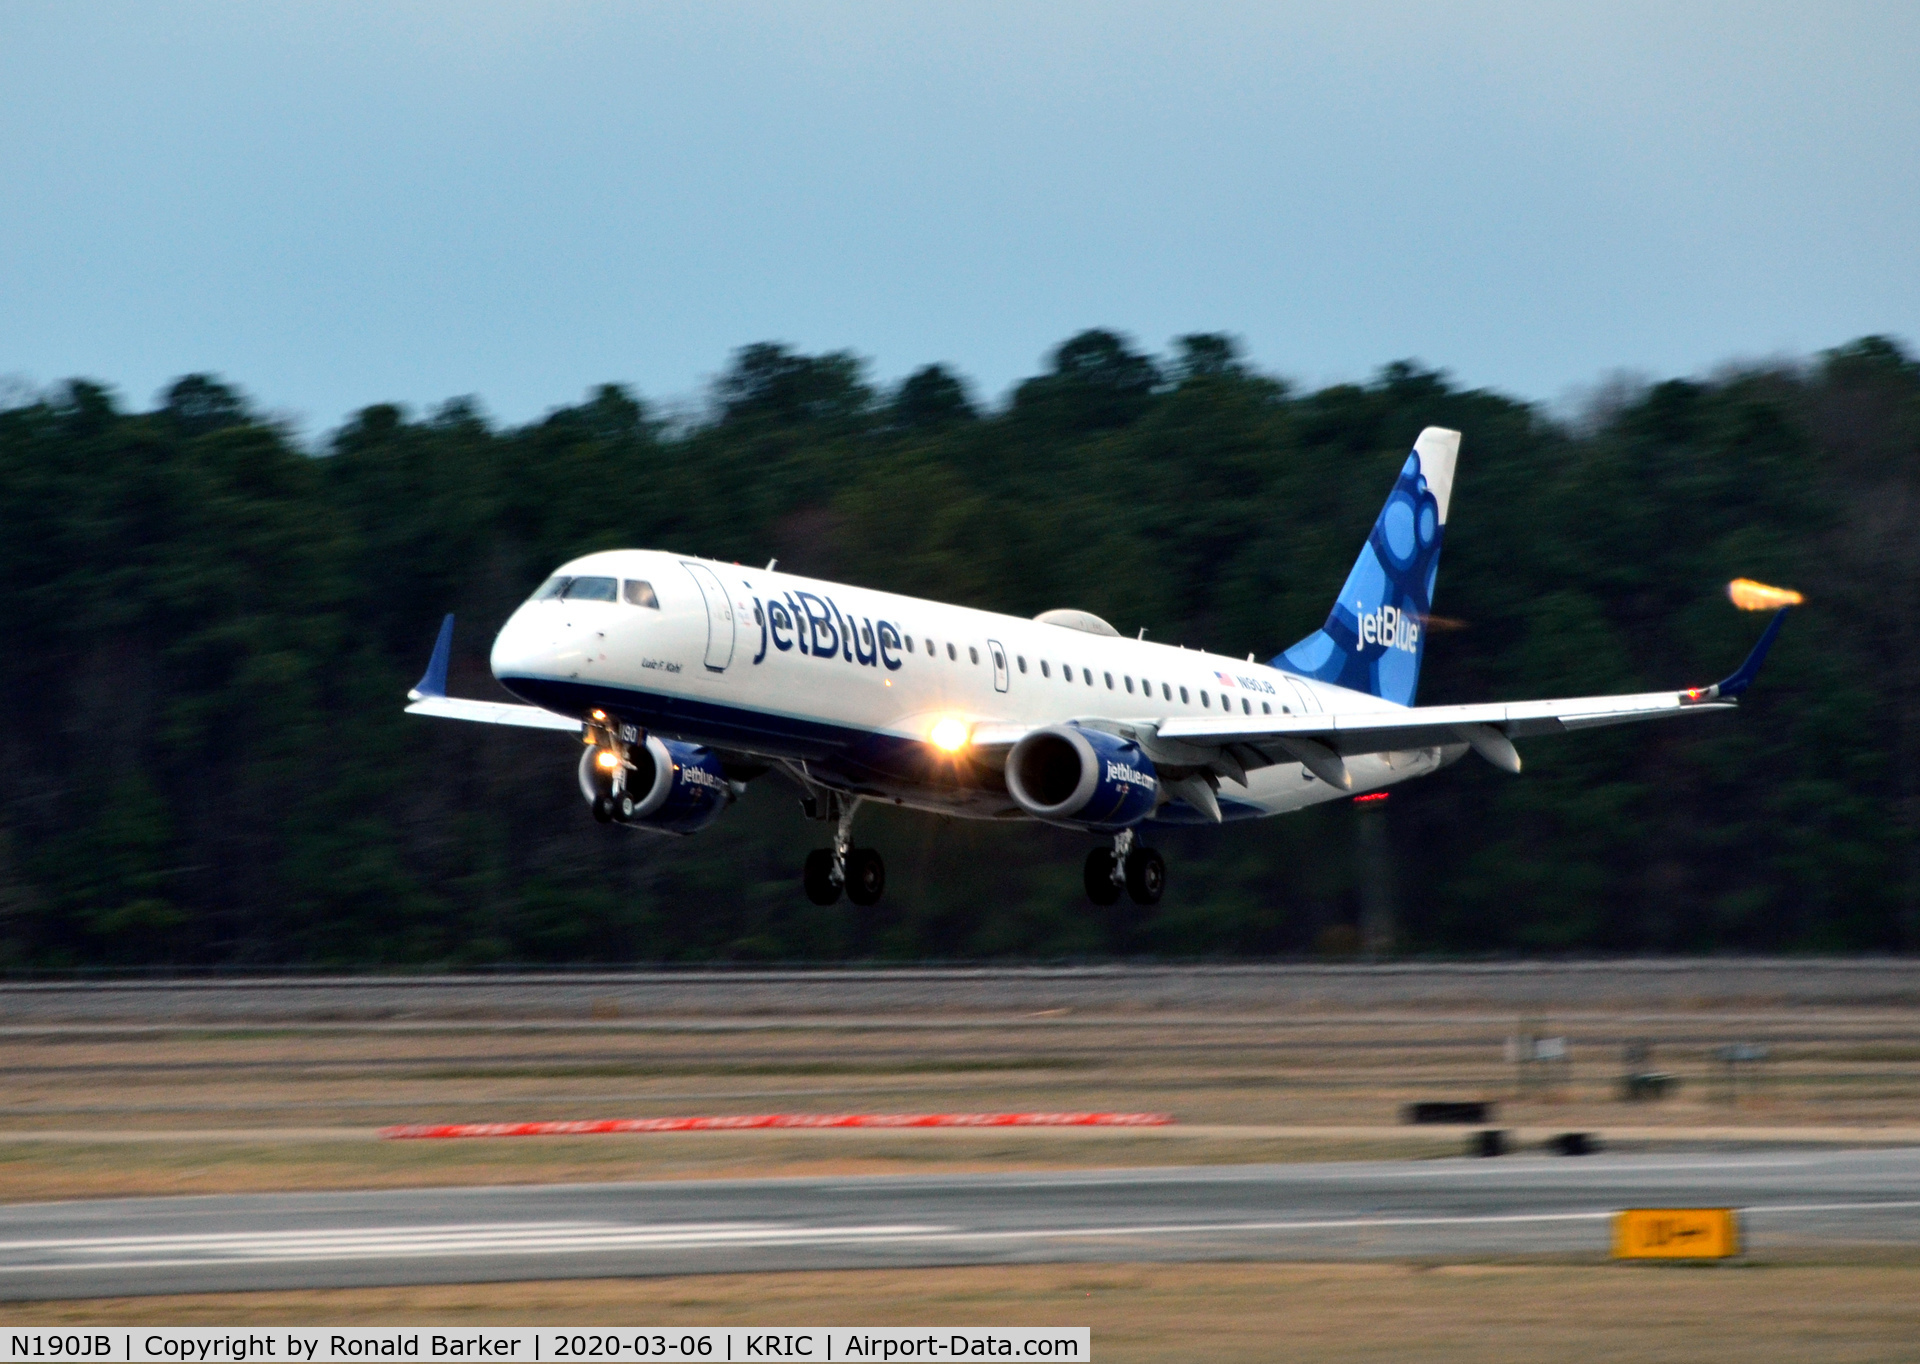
x=813, y=625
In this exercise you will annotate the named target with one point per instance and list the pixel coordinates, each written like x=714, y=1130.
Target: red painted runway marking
x=756, y=1121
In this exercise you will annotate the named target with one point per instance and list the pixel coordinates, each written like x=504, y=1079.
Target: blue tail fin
x=1375, y=634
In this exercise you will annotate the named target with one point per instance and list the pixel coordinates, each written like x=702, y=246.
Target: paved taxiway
x=1441, y=1208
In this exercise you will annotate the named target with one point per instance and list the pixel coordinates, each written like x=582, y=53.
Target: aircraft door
x=1001, y=678
x=1309, y=703
x=719, y=616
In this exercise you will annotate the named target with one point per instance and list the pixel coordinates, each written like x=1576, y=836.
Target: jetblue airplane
x=684, y=679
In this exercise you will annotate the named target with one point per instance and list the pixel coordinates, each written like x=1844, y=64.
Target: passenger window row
x=1145, y=685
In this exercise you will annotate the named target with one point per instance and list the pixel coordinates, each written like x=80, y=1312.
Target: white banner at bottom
x=544, y=1344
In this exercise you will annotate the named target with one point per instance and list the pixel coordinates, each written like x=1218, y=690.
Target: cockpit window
x=552, y=588
x=641, y=594
x=592, y=589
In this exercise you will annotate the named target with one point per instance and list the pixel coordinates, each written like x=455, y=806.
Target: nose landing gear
x=611, y=745
x=857, y=871
x=1138, y=870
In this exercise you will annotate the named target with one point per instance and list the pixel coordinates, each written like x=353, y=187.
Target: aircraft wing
x=429, y=697
x=493, y=713
x=1321, y=741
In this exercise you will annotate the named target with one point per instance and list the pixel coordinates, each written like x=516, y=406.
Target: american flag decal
x=1225, y=681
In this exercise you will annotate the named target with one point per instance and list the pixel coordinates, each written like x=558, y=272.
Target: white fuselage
x=851, y=683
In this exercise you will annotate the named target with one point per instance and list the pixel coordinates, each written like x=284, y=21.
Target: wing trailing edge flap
x=1321, y=741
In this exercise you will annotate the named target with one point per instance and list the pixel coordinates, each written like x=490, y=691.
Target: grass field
x=90, y=1113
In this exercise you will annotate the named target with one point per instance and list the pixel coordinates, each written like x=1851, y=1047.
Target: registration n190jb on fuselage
x=685, y=678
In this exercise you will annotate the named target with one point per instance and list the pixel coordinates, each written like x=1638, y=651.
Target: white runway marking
x=459, y=1240
x=469, y=1240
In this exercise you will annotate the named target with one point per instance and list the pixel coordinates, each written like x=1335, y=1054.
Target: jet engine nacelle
x=675, y=788
x=1083, y=777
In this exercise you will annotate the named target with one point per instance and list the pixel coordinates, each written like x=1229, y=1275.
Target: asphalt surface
x=1279, y=989
x=1441, y=1209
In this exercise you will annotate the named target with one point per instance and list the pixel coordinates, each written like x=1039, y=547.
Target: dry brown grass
x=38, y=1170
x=1810, y=1313
x=274, y=1093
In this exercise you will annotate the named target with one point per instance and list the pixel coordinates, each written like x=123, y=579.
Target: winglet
x=1742, y=677
x=433, y=682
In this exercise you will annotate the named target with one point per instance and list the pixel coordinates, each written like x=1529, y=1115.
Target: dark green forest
x=210, y=629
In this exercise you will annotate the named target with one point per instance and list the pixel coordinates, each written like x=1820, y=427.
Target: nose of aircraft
x=524, y=647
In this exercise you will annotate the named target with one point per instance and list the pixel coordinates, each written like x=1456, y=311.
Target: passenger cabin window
x=909, y=640
x=1045, y=671
x=1183, y=697
x=641, y=594
x=1086, y=675
x=1129, y=682
x=1203, y=699
x=592, y=589
x=1166, y=691
x=953, y=654
x=1023, y=662
x=1266, y=708
x=1246, y=706
x=973, y=654
x=1109, y=677
x=930, y=650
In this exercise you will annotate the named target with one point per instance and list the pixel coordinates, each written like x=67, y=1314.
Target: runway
x=1437, y=1208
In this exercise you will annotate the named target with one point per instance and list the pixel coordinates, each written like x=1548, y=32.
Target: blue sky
x=337, y=204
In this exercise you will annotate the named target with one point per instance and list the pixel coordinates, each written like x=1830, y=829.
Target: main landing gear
x=1140, y=871
x=857, y=871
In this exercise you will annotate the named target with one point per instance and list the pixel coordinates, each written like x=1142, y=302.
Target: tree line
x=210, y=630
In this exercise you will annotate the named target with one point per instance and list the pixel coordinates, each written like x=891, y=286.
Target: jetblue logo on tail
x=1372, y=638
x=1391, y=626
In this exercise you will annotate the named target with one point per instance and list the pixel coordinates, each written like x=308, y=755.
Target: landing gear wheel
x=866, y=876
x=1102, y=889
x=603, y=808
x=821, y=888
x=1146, y=876
x=624, y=805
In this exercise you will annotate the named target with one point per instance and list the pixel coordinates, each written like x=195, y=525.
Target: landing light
x=1749, y=595
x=950, y=734
x=606, y=760
x=598, y=714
